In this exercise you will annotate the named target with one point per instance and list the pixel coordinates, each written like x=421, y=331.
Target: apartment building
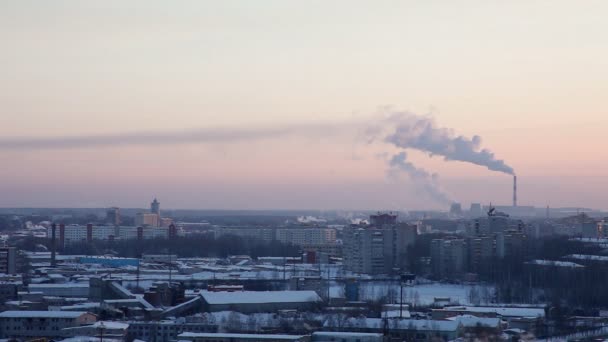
x=448, y=257
x=36, y=324
x=377, y=250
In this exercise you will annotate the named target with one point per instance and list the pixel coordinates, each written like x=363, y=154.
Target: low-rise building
x=220, y=337
x=402, y=329
x=78, y=290
x=259, y=301
x=332, y=336
x=167, y=330
x=33, y=324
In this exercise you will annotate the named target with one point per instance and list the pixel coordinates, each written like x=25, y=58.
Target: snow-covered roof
x=395, y=323
x=555, y=263
x=502, y=311
x=587, y=257
x=41, y=314
x=59, y=286
x=110, y=325
x=473, y=321
x=396, y=314
x=89, y=339
x=81, y=306
x=243, y=336
x=346, y=333
x=253, y=297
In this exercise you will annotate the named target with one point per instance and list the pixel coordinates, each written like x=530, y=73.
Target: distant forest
x=200, y=245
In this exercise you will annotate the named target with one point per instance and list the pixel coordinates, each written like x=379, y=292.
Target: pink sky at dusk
x=528, y=77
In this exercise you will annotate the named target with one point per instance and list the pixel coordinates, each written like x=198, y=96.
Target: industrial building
x=35, y=324
x=259, y=301
x=223, y=337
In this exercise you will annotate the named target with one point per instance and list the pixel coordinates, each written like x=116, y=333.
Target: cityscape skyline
x=303, y=171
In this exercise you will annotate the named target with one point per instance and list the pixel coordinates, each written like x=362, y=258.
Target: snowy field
x=425, y=294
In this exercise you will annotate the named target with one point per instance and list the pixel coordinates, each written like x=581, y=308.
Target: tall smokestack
x=514, y=191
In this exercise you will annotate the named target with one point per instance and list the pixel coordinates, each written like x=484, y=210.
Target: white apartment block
x=78, y=233
x=306, y=236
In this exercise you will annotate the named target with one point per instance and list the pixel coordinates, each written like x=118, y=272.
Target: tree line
x=199, y=245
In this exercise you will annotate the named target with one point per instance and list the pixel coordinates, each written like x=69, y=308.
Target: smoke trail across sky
x=201, y=136
x=403, y=130
x=408, y=130
x=427, y=182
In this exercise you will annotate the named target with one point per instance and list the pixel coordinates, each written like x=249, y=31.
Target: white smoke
x=310, y=219
x=400, y=129
x=407, y=130
x=424, y=180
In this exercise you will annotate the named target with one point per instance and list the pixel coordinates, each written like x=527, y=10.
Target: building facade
x=448, y=257
x=113, y=216
x=377, y=250
x=35, y=324
x=8, y=260
x=147, y=219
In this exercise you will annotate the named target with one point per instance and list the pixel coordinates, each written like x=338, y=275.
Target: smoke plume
x=403, y=130
x=426, y=181
x=210, y=135
x=406, y=130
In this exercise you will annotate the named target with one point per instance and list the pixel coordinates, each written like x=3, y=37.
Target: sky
x=528, y=77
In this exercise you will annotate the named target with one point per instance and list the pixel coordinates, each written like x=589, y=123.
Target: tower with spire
x=155, y=207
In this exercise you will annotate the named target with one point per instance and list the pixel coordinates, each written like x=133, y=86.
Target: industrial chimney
x=514, y=191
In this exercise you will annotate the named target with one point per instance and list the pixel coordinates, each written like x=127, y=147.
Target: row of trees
x=519, y=281
x=203, y=245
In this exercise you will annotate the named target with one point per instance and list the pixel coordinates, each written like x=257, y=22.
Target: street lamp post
x=101, y=328
x=401, y=300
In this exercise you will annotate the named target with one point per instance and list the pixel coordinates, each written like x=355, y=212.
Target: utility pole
x=101, y=329
x=170, y=265
x=328, y=286
x=53, y=245
x=137, y=277
x=401, y=300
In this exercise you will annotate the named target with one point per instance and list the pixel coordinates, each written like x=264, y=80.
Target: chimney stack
x=514, y=191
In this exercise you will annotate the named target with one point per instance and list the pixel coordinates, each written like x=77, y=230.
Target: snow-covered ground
x=425, y=294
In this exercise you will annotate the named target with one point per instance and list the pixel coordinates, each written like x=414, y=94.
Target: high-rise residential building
x=147, y=219
x=492, y=224
x=165, y=222
x=155, y=207
x=363, y=250
x=379, y=249
x=456, y=210
x=261, y=233
x=306, y=236
x=511, y=243
x=8, y=260
x=475, y=210
x=448, y=257
x=382, y=219
x=481, y=250
x=602, y=227
x=71, y=234
x=113, y=216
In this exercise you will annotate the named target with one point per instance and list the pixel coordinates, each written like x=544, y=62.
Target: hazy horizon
x=232, y=105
